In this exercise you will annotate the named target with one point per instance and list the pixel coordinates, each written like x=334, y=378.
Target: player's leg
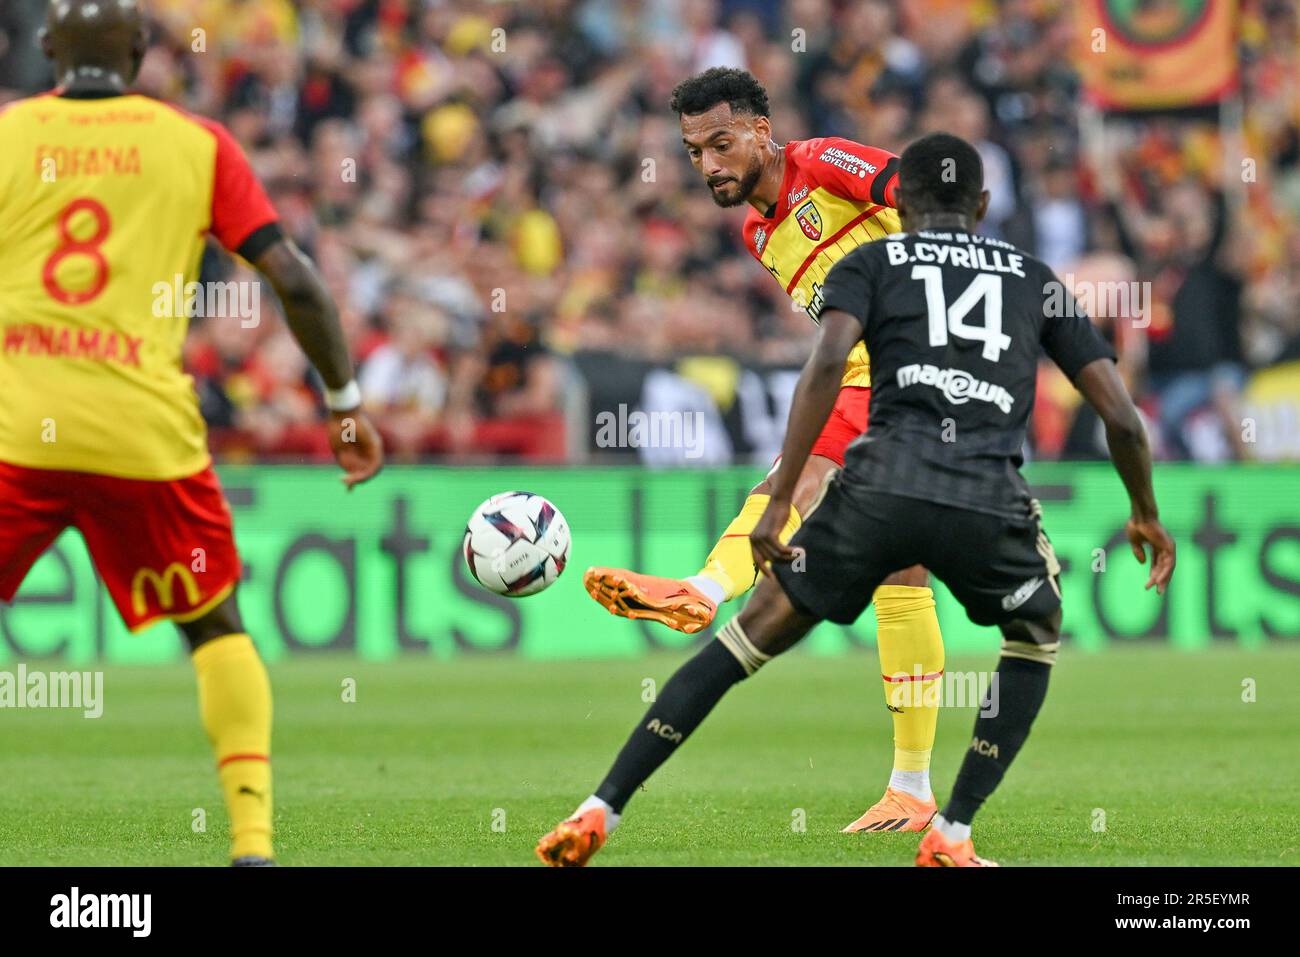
x=34, y=511
x=848, y=551
x=729, y=570
x=910, y=646
x=730, y=566
x=166, y=550
x=767, y=626
x=1015, y=695
x=235, y=708
x=1004, y=574
x=908, y=639
x=690, y=604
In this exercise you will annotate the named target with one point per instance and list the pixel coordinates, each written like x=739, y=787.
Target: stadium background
x=496, y=195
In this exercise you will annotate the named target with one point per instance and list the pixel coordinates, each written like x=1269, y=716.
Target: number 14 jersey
x=955, y=324
x=104, y=206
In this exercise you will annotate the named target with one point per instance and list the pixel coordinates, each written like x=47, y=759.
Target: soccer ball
x=516, y=544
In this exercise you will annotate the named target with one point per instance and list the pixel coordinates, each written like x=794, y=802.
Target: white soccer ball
x=516, y=544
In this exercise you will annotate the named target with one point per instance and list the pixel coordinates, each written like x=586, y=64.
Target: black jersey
x=954, y=324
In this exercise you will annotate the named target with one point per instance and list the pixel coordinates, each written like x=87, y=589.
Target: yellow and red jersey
x=836, y=195
x=103, y=203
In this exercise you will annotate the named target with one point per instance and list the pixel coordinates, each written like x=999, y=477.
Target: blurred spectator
x=1060, y=220
x=489, y=188
x=507, y=396
x=403, y=381
x=1194, y=357
x=22, y=67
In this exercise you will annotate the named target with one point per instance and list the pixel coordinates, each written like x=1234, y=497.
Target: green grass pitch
x=467, y=762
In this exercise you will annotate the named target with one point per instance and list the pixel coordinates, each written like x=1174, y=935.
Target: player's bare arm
x=1100, y=384
x=814, y=397
x=313, y=320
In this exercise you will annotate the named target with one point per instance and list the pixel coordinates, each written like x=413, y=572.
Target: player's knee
x=221, y=620
x=733, y=637
x=769, y=623
x=1033, y=639
x=914, y=577
x=810, y=488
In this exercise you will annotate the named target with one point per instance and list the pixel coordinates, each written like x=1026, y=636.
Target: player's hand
x=765, y=539
x=356, y=445
x=1144, y=532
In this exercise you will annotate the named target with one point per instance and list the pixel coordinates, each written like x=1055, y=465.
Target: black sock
x=1021, y=686
x=681, y=705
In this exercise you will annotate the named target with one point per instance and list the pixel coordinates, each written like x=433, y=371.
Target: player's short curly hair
x=940, y=172
x=721, y=84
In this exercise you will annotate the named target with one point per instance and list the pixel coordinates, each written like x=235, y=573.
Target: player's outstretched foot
x=573, y=842
x=253, y=860
x=896, y=811
x=669, y=601
x=937, y=851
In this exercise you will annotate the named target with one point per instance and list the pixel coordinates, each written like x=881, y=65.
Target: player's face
x=726, y=148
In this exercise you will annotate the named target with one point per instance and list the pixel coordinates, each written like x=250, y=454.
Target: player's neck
x=92, y=80
x=940, y=221
x=768, y=189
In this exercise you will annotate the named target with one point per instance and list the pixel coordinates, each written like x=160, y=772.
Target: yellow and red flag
x=1156, y=54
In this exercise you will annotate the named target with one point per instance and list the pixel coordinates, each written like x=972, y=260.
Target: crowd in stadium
x=489, y=188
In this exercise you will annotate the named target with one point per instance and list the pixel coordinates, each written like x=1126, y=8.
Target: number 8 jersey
x=104, y=207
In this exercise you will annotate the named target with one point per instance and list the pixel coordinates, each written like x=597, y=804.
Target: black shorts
x=1000, y=569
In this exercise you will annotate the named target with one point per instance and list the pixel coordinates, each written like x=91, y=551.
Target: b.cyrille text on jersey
x=971, y=255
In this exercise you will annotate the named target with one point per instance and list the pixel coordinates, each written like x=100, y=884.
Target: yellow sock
x=731, y=563
x=235, y=707
x=910, y=645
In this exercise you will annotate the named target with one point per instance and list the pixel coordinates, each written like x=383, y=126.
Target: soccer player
x=811, y=202
x=954, y=323
x=105, y=195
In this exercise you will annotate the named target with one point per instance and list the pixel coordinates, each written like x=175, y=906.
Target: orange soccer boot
x=937, y=851
x=574, y=841
x=896, y=811
x=669, y=601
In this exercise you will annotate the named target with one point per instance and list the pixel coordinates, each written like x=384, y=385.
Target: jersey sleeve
x=240, y=206
x=850, y=286
x=1068, y=336
x=850, y=169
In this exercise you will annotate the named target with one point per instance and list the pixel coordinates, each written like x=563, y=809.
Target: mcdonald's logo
x=164, y=586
